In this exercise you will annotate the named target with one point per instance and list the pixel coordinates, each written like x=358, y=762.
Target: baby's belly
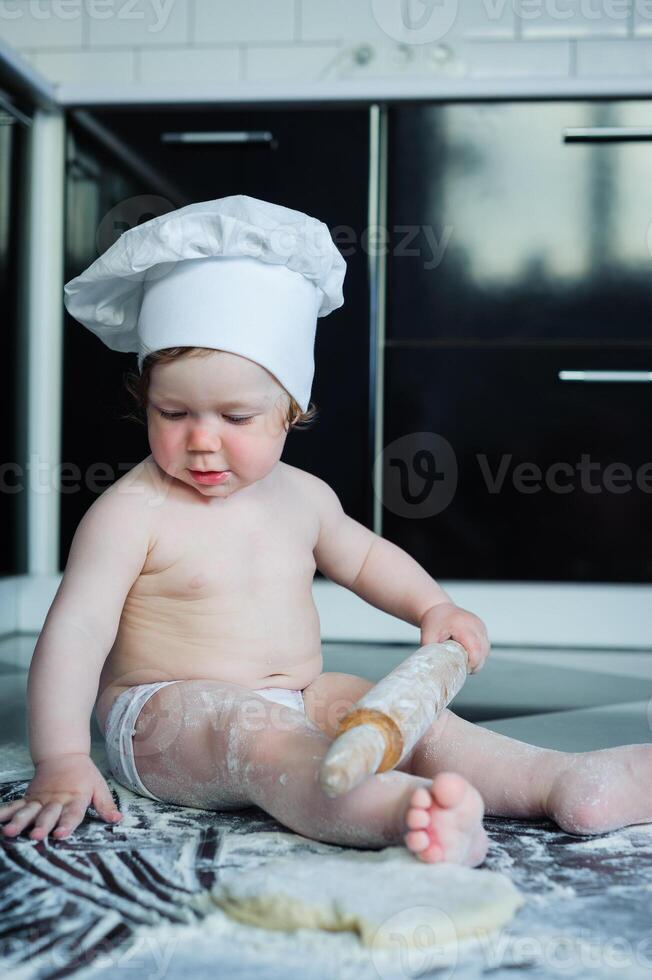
x=163, y=640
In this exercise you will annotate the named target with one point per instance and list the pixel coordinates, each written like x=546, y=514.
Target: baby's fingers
x=46, y=820
x=24, y=816
x=72, y=816
x=479, y=651
x=103, y=803
x=468, y=637
x=476, y=646
x=9, y=809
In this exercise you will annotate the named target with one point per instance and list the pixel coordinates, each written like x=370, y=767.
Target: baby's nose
x=202, y=437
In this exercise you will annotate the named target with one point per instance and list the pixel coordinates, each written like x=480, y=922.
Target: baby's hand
x=60, y=791
x=447, y=621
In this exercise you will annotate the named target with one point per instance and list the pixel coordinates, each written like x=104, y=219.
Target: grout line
x=298, y=20
x=191, y=23
x=176, y=46
x=86, y=29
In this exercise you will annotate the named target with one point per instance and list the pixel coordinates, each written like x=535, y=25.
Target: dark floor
x=133, y=897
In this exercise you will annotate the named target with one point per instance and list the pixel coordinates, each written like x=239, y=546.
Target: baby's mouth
x=209, y=476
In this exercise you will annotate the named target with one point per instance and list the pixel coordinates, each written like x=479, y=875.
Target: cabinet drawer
x=544, y=480
x=506, y=227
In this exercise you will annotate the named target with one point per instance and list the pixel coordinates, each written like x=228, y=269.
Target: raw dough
x=386, y=897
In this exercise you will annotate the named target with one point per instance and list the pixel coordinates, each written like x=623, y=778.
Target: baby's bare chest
x=232, y=555
x=221, y=595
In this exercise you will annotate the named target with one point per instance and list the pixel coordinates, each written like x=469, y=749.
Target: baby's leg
x=583, y=792
x=218, y=746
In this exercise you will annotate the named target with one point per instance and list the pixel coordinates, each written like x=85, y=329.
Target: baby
x=186, y=615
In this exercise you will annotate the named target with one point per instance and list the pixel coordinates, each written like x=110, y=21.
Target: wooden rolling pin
x=384, y=725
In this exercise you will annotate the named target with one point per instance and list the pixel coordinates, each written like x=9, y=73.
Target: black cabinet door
x=497, y=469
x=503, y=231
x=317, y=162
x=520, y=256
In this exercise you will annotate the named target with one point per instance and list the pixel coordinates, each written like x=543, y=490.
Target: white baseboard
x=517, y=614
x=25, y=600
x=562, y=614
x=8, y=603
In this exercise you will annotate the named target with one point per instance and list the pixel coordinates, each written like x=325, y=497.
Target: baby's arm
x=108, y=552
x=387, y=577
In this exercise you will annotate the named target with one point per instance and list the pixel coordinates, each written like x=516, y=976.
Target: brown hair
x=138, y=387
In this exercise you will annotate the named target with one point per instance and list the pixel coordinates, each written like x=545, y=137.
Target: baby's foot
x=445, y=822
x=594, y=792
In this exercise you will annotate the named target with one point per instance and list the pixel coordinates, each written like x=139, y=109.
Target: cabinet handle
x=606, y=134
x=629, y=377
x=253, y=136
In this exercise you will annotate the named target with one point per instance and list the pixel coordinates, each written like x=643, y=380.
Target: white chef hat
x=235, y=274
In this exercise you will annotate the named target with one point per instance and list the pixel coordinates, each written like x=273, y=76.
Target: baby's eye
x=234, y=419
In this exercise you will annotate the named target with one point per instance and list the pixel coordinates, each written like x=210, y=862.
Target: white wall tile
x=310, y=61
x=380, y=20
x=573, y=18
x=86, y=66
x=239, y=21
x=325, y=39
x=643, y=17
x=511, y=59
x=614, y=58
x=27, y=25
x=340, y=20
x=137, y=23
x=190, y=65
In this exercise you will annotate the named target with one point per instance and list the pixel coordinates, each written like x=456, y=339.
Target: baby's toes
x=432, y=853
x=421, y=798
x=423, y=846
x=417, y=818
x=417, y=840
x=448, y=789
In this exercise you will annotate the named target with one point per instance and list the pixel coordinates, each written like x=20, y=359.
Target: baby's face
x=219, y=411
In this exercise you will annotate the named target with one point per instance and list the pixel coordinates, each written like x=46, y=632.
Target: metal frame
x=42, y=336
x=27, y=83
x=377, y=212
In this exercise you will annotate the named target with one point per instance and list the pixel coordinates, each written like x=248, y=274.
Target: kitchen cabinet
x=548, y=480
x=519, y=328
